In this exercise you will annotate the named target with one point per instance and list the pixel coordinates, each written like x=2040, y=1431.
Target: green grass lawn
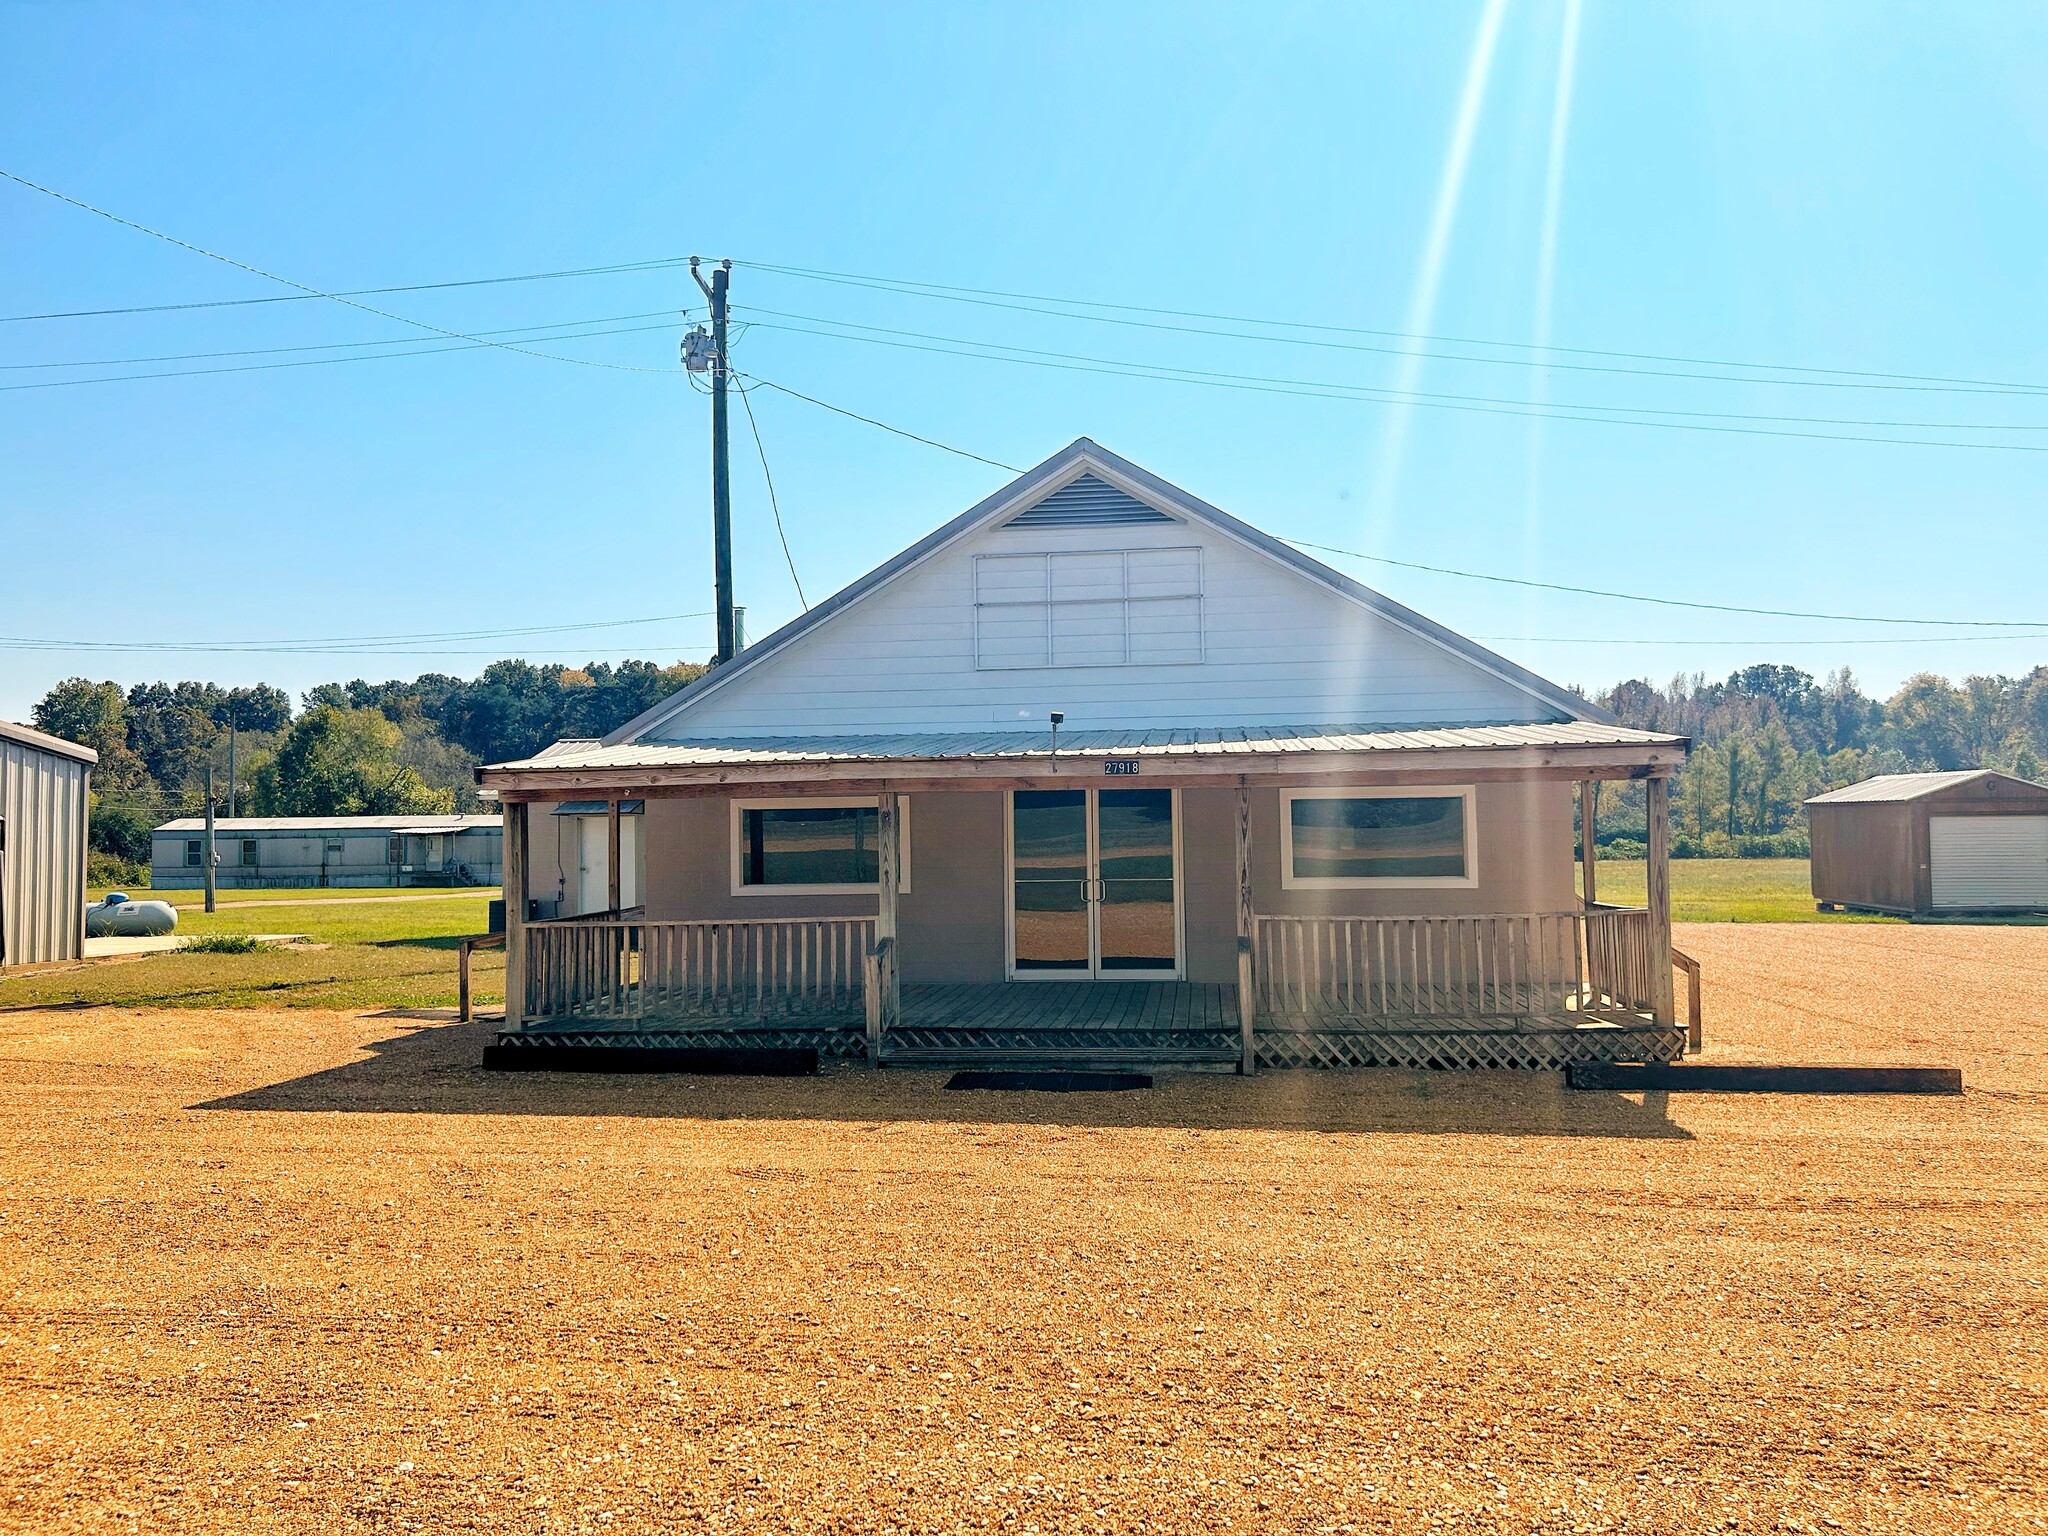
x=195, y=897
x=397, y=954
x=1725, y=890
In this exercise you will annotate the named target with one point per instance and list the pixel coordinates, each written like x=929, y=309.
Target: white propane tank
x=119, y=918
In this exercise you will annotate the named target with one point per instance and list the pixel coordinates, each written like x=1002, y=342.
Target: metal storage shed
x=1920, y=843
x=43, y=811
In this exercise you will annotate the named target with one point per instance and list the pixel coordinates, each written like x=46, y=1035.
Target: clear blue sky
x=1851, y=186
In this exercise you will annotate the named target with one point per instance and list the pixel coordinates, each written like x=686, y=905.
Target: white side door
x=593, y=878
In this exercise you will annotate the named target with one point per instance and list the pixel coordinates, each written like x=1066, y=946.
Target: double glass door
x=1092, y=884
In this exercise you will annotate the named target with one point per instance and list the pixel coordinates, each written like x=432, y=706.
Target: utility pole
x=206, y=854
x=231, y=762
x=721, y=468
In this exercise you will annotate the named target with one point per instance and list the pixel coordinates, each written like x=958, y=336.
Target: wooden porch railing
x=1691, y=970
x=1541, y=964
x=463, y=951
x=1549, y=965
x=623, y=971
x=1621, y=949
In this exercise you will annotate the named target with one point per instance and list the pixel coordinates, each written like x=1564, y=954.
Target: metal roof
x=225, y=826
x=1912, y=786
x=1181, y=742
x=57, y=744
x=1053, y=474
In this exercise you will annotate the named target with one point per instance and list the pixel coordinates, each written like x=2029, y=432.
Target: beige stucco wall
x=950, y=921
x=1523, y=838
x=952, y=917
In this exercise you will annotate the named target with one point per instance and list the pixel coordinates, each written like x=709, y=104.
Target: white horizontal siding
x=1280, y=649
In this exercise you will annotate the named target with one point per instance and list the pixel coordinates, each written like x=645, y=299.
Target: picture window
x=1338, y=838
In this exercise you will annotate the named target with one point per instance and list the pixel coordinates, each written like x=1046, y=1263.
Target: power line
x=784, y=389
x=370, y=309
x=1023, y=301
x=655, y=265
x=773, y=504
x=629, y=652
x=1411, y=396
x=1669, y=602
x=916, y=289
x=330, y=346
x=319, y=644
x=420, y=348
x=1518, y=581
x=332, y=650
x=1319, y=390
x=1855, y=640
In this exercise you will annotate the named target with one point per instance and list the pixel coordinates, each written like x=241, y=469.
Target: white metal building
x=300, y=852
x=44, y=783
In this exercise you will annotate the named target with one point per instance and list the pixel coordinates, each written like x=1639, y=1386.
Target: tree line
x=1769, y=737
x=1764, y=740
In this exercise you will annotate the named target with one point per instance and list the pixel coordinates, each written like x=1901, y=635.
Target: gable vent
x=1087, y=503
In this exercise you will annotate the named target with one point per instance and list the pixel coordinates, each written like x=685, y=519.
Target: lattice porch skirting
x=1162, y=1045
x=1533, y=1047
x=830, y=1041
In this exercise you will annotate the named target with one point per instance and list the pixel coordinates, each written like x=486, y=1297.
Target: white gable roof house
x=1097, y=774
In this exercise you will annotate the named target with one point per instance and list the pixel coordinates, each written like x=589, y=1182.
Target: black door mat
x=1052, y=1082
x=1661, y=1077
x=730, y=1061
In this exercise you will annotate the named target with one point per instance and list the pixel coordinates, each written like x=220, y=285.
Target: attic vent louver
x=1087, y=503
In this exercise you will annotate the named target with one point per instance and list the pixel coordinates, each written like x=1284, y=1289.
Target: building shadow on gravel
x=435, y=1069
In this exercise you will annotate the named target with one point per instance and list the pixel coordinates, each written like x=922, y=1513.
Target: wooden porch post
x=515, y=912
x=1662, y=1004
x=1245, y=999
x=1589, y=815
x=611, y=856
x=889, y=971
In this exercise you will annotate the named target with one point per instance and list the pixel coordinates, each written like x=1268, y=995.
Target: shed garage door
x=1988, y=861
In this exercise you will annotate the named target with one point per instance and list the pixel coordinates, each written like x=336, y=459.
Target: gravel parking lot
x=316, y=1272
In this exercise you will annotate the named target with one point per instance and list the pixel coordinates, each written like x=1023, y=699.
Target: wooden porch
x=1531, y=990
x=1516, y=990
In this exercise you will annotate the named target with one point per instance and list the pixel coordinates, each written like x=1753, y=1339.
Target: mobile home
x=292, y=852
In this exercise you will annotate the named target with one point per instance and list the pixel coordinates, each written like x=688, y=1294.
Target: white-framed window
x=394, y=851
x=248, y=853
x=195, y=851
x=813, y=846
x=1333, y=839
x=1088, y=608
